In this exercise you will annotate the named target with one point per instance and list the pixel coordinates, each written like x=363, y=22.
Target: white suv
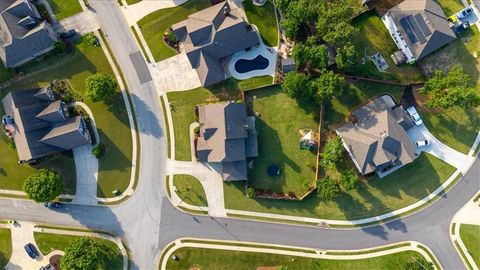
x=415, y=116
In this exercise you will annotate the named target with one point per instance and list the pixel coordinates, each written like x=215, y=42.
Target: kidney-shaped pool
x=258, y=63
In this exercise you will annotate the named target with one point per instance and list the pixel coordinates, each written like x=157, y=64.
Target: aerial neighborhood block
x=40, y=124
x=418, y=28
x=377, y=140
x=227, y=136
x=23, y=34
x=210, y=36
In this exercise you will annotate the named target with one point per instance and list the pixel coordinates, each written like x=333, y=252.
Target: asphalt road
x=148, y=222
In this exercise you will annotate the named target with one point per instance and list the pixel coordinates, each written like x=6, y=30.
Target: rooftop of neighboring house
x=228, y=136
x=23, y=34
x=211, y=35
x=41, y=125
x=422, y=25
x=378, y=137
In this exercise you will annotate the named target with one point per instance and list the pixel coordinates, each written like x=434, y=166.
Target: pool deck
x=267, y=52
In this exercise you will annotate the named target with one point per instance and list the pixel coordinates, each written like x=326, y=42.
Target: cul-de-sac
x=240, y=134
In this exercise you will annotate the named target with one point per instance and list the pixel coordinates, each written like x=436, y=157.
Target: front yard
x=204, y=258
x=374, y=37
x=155, y=24
x=451, y=7
x=264, y=18
x=65, y=8
x=470, y=235
x=190, y=190
x=110, y=116
x=5, y=246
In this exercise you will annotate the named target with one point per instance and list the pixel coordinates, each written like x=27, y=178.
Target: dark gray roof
x=23, y=35
x=378, y=138
x=39, y=136
x=209, y=36
x=226, y=136
x=430, y=21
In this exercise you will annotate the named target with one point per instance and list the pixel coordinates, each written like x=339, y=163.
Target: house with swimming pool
x=211, y=36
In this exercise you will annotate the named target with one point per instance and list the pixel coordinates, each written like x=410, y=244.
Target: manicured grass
x=278, y=129
x=451, y=7
x=5, y=246
x=202, y=258
x=110, y=116
x=190, y=190
x=131, y=2
x=5, y=74
x=470, y=235
x=374, y=37
x=65, y=8
x=110, y=253
x=404, y=187
x=264, y=18
x=183, y=107
x=154, y=25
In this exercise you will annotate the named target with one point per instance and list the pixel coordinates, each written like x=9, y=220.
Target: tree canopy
x=346, y=57
x=332, y=152
x=99, y=87
x=349, y=180
x=297, y=86
x=81, y=254
x=43, y=186
x=326, y=86
x=327, y=189
x=451, y=89
x=310, y=56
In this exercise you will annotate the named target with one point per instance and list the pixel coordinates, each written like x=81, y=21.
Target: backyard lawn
x=202, y=258
x=65, y=8
x=404, y=187
x=190, y=190
x=110, y=253
x=374, y=37
x=264, y=18
x=183, y=107
x=154, y=25
x=5, y=247
x=470, y=235
x=278, y=127
x=110, y=116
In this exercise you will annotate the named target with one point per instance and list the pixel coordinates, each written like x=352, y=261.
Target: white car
x=414, y=115
x=422, y=143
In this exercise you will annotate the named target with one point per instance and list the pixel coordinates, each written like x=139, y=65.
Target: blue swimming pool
x=258, y=63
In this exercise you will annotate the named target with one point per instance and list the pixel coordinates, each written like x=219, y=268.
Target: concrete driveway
x=175, y=74
x=84, y=23
x=135, y=12
x=439, y=149
x=87, y=174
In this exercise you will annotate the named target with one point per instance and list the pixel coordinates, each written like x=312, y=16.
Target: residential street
x=148, y=221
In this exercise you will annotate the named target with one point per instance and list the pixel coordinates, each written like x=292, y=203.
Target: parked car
x=31, y=251
x=422, y=143
x=47, y=267
x=70, y=35
x=53, y=205
x=414, y=115
x=462, y=27
x=464, y=13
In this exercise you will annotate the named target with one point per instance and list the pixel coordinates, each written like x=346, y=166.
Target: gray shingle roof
x=436, y=22
x=209, y=36
x=377, y=138
x=23, y=35
x=37, y=137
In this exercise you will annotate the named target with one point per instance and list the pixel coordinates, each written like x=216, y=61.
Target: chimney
x=226, y=10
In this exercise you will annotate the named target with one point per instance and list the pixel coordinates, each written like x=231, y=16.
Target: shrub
x=99, y=87
x=349, y=180
x=327, y=189
x=82, y=254
x=11, y=144
x=250, y=192
x=43, y=186
x=91, y=39
x=332, y=152
x=99, y=150
x=60, y=46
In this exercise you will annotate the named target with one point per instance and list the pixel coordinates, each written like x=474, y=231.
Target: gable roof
x=211, y=35
x=22, y=32
x=423, y=26
x=378, y=137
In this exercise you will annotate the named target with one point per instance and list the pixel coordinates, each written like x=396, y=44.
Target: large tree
x=81, y=254
x=332, y=152
x=327, y=189
x=349, y=180
x=297, y=86
x=451, y=89
x=333, y=24
x=346, y=57
x=310, y=56
x=43, y=186
x=99, y=87
x=326, y=86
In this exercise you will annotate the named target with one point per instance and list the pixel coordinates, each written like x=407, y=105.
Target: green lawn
x=374, y=37
x=264, y=18
x=470, y=235
x=5, y=74
x=278, y=129
x=131, y=2
x=183, y=107
x=5, y=246
x=451, y=6
x=65, y=8
x=404, y=187
x=154, y=25
x=111, y=116
x=190, y=189
x=110, y=253
x=202, y=258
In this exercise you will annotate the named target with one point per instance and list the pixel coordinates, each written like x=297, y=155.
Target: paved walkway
x=84, y=23
x=175, y=74
x=210, y=179
x=135, y=12
x=281, y=250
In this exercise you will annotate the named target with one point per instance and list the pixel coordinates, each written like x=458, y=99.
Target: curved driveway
x=147, y=221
